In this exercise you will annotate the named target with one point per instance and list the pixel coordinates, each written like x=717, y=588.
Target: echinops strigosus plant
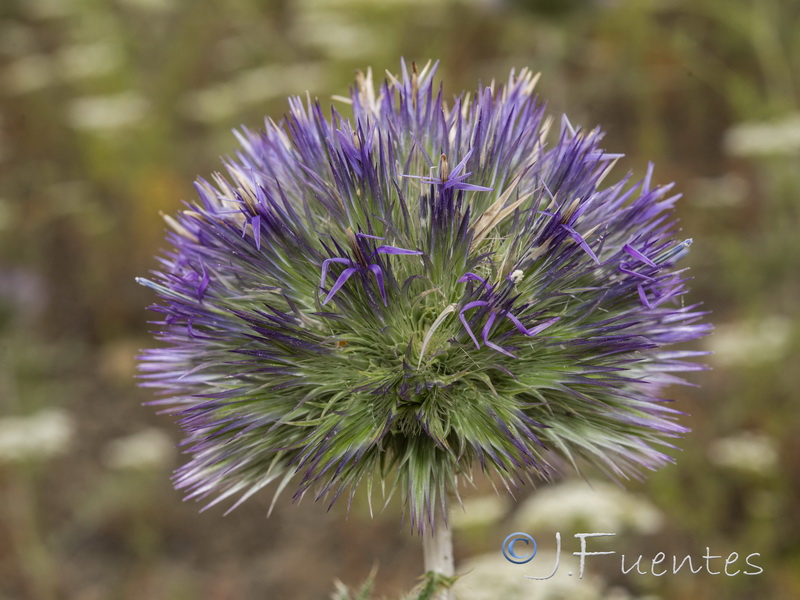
x=393, y=298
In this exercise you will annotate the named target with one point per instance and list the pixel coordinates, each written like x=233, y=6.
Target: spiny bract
x=422, y=288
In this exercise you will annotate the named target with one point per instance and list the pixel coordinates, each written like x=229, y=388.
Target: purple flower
x=343, y=309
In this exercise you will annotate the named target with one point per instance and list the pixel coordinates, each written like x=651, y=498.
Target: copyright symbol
x=508, y=548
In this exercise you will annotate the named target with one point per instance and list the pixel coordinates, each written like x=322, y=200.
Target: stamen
x=355, y=248
x=444, y=169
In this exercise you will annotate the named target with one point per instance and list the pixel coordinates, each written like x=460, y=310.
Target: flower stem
x=437, y=549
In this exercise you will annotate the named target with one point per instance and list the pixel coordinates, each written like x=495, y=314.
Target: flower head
x=420, y=289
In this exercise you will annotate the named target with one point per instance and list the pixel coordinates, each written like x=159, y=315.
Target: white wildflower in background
x=149, y=448
x=50, y=9
x=334, y=34
x=726, y=191
x=5, y=152
x=273, y=81
x=109, y=112
x=492, y=577
x=597, y=507
x=764, y=138
x=159, y=6
x=6, y=214
x=352, y=4
x=214, y=103
x=479, y=511
x=225, y=99
x=40, y=435
x=86, y=60
x=70, y=198
x=747, y=452
x=618, y=593
x=28, y=74
x=749, y=342
x=16, y=39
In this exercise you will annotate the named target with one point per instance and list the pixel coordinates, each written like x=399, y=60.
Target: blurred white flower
x=725, y=191
x=619, y=593
x=748, y=452
x=263, y=83
x=88, y=60
x=16, y=39
x=480, y=511
x=6, y=214
x=225, y=99
x=593, y=505
x=42, y=434
x=29, y=74
x=749, y=342
x=50, y=9
x=214, y=103
x=149, y=5
x=764, y=138
x=103, y=113
x=335, y=35
x=5, y=151
x=305, y=5
x=145, y=449
x=492, y=577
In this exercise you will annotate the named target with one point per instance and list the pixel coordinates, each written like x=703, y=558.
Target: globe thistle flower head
x=414, y=290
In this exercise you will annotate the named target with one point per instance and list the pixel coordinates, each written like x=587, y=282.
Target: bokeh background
x=110, y=108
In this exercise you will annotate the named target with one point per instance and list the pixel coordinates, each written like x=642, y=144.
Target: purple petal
x=488, y=326
x=379, y=276
x=255, y=223
x=638, y=255
x=643, y=297
x=326, y=262
x=346, y=274
x=581, y=242
x=460, y=166
x=396, y=250
x=635, y=274
x=542, y=326
x=471, y=277
x=468, y=306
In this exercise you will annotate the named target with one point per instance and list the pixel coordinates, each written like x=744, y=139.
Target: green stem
x=437, y=549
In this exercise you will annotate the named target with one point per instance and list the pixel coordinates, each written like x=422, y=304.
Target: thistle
x=417, y=291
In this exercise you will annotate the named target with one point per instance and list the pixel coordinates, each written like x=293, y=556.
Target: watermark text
x=520, y=548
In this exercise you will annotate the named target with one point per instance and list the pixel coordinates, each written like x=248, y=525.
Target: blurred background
x=110, y=108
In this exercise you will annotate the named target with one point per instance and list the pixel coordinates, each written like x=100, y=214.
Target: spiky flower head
x=414, y=291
